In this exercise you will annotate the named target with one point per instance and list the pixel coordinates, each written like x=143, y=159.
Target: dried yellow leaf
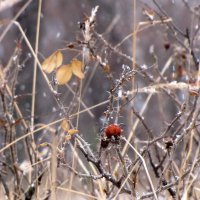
x=73, y=131
x=77, y=68
x=68, y=137
x=52, y=62
x=63, y=74
x=65, y=125
x=44, y=144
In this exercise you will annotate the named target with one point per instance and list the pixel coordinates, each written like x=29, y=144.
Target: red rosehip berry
x=113, y=130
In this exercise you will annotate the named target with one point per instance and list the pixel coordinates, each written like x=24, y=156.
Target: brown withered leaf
x=2, y=122
x=77, y=68
x=106, y=69
x=63, y=74
x=65, y=125
x=52, y=62
x=18, y=121
x=193, y=93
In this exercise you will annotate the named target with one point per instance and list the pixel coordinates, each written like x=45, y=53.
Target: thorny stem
x=97, y=162
x=173, y=183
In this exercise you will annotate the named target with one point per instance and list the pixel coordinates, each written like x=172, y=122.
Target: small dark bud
x=167, y=45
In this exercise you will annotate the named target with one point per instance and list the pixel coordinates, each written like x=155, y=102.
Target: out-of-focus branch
x=5, y=4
